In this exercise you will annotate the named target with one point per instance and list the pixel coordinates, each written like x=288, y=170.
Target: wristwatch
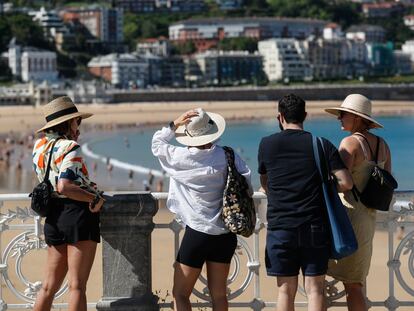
x=171, y=125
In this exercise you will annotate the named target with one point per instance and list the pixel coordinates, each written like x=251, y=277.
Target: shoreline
x=26, y=119
x=18, y=124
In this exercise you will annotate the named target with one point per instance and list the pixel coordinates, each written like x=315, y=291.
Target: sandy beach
x=25, y=119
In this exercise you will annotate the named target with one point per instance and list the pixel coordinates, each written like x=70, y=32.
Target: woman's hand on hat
x=185, y=118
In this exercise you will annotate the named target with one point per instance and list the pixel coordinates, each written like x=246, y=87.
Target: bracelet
x=171, y=125
x=95, y=200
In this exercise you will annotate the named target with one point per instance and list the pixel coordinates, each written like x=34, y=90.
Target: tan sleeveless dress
x=354, y=268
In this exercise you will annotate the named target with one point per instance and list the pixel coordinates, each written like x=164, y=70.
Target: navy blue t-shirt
x=294, y=189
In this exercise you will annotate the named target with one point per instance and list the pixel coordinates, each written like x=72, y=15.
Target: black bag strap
x=50, y=160
x=229, y=152
x=369, y=146
x=376, y=152
x=355, y=192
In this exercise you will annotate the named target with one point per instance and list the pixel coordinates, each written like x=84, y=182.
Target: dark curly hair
x=292, y=107
x=62, y=129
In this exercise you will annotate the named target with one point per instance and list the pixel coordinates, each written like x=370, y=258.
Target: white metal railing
x=399, y=215
x=247, y=259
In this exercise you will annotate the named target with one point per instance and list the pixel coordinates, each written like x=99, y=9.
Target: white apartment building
x=103, y=23
x=325, y=57
x=408, y=47
x=151, y=6
x=158, y=47
x=32, y=64
x=26, y=94
x=284, y=59
x=253, y=27
x=366, y=33
x=38, y=65
x=48, y=20
x=332, y=31
x=409, y=21
x=121, y=70
x=221, y=67
x=355, y=52
x=18, y=94
x=381, y=9
x=230, y=4
x=403, y=64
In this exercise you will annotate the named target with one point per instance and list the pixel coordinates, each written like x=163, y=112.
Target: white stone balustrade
x=127, y=223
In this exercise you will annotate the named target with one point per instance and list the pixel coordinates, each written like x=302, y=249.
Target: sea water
x=134, y=147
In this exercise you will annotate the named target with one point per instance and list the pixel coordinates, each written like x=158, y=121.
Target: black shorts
x=198, y=247
x=305, y=248
x=71, y=221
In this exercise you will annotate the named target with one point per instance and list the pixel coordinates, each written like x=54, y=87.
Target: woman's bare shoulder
x=349, y=142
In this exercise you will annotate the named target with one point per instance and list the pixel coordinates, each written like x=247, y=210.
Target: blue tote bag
x=343, y=238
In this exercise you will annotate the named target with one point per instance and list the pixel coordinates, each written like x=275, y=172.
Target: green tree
x=395, y=29
x=241, y=44
x=149, y=29
x=258, y=5
x=66, y=65
x=4, y=34
x=185, y=48
x=299, y=8
x=131, y=29
x=26, y=31
x=5, y=72
x=345, y=13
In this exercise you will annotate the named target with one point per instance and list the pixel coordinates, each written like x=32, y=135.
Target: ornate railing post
x=126, y=226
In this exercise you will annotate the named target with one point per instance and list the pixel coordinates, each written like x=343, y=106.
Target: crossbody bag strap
x=377, y=151
x=50, y=160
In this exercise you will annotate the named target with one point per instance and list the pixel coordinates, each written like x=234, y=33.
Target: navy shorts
x=289, y=250
x=198, y=247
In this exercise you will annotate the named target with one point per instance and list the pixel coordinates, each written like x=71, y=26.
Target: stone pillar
x=126, y=226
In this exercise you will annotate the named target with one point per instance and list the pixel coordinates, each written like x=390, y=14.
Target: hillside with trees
x=73, y=59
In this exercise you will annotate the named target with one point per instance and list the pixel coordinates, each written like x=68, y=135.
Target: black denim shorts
x=71, y=221
x=305, y=248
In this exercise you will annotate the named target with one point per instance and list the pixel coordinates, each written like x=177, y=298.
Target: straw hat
x=356, y=104
x=60, y=110
x=204, y=128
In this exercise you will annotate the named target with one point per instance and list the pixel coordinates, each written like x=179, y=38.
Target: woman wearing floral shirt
x=72, y=227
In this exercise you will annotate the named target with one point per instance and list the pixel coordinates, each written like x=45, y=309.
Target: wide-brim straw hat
x=60, y=110
x=359, y=105
x=203, y=129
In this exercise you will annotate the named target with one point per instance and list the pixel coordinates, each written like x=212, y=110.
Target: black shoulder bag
x=238, y=213
x=42, y=193
x=380, y=187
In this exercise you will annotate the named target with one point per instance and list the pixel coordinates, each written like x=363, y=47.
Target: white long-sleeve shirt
x=197, y=181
